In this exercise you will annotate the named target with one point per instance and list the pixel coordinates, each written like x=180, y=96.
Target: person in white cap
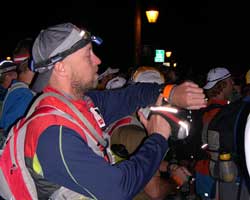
x=106, y=76
x=19, y=95
x=218, y=75
x=148, y=74
x=116, y=82
x=218, y=88
x=7, y=74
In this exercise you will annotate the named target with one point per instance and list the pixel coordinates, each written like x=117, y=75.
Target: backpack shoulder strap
x=17, y=85
x=206, y=125
x=15, y=144
x=18, y=158
x=211, y=107
x=13, y=87
x=102, y=142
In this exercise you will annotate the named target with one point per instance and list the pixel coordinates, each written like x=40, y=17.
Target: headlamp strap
x=48, y=64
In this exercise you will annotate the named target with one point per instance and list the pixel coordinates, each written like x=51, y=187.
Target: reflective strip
x=67, y=168
x=36, y=166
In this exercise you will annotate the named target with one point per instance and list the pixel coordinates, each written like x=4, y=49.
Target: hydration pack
x=15, y=180
x=225, y=133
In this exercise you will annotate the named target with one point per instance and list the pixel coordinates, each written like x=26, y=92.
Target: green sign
x=159, y=55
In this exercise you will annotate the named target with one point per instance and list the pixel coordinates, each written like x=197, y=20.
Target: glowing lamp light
x=152, y=15
x=8, y=58
x=168, y=54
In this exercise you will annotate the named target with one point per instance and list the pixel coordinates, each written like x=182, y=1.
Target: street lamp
x=152, y=15
x=168, y=54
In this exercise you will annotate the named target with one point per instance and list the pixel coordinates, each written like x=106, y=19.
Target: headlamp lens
x=87, y=36
x=96, y=40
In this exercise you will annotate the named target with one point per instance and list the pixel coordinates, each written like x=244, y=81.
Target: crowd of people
x=96, y=137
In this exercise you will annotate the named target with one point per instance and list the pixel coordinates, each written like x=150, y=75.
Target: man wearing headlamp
x=73, y=159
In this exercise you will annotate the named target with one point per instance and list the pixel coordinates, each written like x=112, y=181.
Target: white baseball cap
x=147, y=74
x=215, y=75
x=108, y=71
x=116, y=82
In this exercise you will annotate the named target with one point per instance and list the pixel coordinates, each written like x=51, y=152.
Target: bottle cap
x=225, y=156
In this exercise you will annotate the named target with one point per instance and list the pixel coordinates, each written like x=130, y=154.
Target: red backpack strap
x=100, y=140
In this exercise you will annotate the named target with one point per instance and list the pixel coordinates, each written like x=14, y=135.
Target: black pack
x=225, y=133
x=230, y=122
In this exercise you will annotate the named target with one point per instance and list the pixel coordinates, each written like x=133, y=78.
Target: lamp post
x=152, y=15
x=137, y=49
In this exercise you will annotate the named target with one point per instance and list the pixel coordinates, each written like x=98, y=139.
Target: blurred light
x=152, y=15
x=8, y=58
x=167, y=64
x=175, y=65
x=82, y=33
x=204, y=146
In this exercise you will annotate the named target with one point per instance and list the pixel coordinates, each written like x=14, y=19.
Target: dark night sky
x=202, y=34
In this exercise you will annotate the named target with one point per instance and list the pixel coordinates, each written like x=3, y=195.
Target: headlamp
x=49, y=63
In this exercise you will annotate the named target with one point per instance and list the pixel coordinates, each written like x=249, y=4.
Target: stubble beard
x=80, y=88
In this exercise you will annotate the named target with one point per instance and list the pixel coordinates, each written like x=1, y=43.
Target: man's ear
x=59, y=68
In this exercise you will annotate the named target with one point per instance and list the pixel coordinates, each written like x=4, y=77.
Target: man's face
x=84, y=66
x=229, y=87
x=10, y=76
